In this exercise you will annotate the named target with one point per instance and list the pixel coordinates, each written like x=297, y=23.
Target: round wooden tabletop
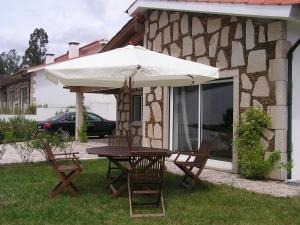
x=123, y=151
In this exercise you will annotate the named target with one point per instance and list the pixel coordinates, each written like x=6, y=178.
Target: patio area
x=273, y=188
x=24, y=199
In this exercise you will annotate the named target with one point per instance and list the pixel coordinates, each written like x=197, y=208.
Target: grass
x=24, y=199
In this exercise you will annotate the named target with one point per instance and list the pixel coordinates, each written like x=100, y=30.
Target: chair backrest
x=201, y=156
x=117, y=140
x=147, y=168
x=50, y=155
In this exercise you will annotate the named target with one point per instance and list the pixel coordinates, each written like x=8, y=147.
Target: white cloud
x=83, y=21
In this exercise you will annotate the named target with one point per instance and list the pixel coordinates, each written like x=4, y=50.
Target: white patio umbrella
x=137, y=66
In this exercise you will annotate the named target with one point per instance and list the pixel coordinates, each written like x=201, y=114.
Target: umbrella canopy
x=145, y=68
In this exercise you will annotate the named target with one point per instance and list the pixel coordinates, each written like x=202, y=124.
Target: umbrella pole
x=130, y=115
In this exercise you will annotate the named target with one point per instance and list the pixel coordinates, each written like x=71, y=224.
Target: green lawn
x=24, y=200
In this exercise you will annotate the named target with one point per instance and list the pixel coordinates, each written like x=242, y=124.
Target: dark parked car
x=65, y=123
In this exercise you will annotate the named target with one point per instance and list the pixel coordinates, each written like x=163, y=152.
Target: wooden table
x=114, y=153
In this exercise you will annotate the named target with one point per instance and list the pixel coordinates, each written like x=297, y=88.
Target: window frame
x=134, y=96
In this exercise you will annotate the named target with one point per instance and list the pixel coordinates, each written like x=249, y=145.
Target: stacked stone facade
x=122, y=126
x=252, y=50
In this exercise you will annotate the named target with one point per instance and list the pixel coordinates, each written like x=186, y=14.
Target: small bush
x=31, y=110
x=250, y=149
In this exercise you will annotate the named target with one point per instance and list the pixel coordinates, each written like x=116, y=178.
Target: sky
x=82, y=21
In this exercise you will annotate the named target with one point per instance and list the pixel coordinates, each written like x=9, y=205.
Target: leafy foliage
x=36, y=52
x=10, y=62
x=250, y=149
x=55, y=140
x=83, y=129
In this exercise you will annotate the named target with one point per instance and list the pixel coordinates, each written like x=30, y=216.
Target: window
x=23, y=98
x=203, y=112
x=69, y=118
x=137, y=107
x=11, y=100
x=93, y=117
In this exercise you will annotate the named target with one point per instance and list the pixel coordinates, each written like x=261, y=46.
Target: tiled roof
x=254, y=2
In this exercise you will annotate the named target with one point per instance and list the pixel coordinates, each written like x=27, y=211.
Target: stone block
x=257, y=104
x=156, y=109
x=281, y=140
x=200, y=48
x=237, y=54
x=157, y=43
x=213, y=25
x=224, y=36
x=261, y=35
x=281, y=92
x=150, y=97
x=261, y=87
x=158, y=93
x=153, y=29
x=282, y=48
x=163, y=19
x=146, y=113
x=197, y=27
x=140, y=131
x=233, y=19
x=146, y=90
x=126, y=107
x=204, y=60
x=257, y=61
x=156, y=143
x=246, y=83
x=245, y=100
x=268, y=133
x=154, y=15
x=184, y=24
x=278, y=70
x=146, y=142
x=175, y=31
x=166, y=51
x=157, y=131
x=278, y=116
x=238, y=31
x=150, y=131
x=167, y=35
x=175, y=50
x=187, y=46
x=249, y=35
x=221, y=60
x=276, y=30
x=174, y=16
x=213, y=44
x=278, y=172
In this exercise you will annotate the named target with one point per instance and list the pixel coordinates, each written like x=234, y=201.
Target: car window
x=69, y=118
x=94, y=117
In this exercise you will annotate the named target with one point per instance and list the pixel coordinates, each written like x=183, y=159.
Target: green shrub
x=250, y=149
x=3, y=128
x=5, y=110
x=31, y=110
x=55, y=140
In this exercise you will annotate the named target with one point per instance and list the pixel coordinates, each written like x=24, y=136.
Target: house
x=249, y=41
x=30, y=87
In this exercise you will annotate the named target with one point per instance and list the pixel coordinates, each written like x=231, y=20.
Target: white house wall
x=55, y=96
x=293, y=34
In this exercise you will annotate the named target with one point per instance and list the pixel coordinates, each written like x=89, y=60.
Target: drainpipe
x=290, y=96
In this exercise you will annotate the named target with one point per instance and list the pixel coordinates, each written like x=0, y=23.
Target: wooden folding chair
x=195, y=159
x=145, y=179
x=65, y=172
x=115, y=140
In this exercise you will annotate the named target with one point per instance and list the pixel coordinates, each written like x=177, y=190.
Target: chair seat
x=193, y=164
x=64, y=168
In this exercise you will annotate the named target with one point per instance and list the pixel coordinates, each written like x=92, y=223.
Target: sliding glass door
x=204, y=112
x=217, y=117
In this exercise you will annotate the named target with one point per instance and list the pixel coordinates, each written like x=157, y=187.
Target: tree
x=36, y=52
x=9, y=62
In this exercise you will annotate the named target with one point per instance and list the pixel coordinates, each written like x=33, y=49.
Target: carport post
x=79, y=114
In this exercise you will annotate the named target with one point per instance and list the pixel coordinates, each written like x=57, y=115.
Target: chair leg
x=65, y=183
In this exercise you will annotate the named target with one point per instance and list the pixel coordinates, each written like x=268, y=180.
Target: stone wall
x=255, y=49
x=122, y=126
